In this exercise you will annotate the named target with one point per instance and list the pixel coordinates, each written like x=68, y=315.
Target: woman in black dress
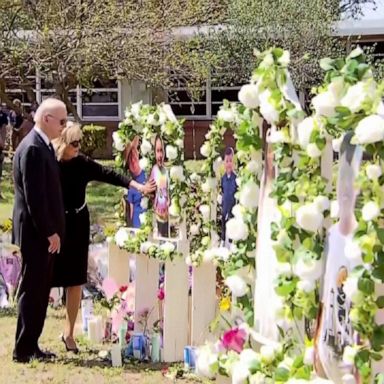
x=77, y=170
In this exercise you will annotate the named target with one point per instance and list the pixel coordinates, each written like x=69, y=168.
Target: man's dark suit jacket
x=38, y=209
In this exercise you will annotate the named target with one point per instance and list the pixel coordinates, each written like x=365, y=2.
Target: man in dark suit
x=38, y=224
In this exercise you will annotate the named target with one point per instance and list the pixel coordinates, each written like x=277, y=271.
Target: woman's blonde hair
x=71, y=132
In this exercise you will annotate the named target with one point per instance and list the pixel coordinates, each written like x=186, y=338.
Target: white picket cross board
x=175, y=332
x=204, y=302
x=146, y=286
x=118, y=264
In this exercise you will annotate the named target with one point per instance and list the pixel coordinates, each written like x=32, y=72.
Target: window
x=207, y=105
x=99, y=103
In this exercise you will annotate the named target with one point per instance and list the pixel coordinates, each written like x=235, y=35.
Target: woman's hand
x=149, y=187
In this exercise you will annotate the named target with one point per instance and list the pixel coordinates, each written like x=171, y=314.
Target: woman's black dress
x=71, y=264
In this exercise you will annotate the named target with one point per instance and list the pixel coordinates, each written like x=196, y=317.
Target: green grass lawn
x=86, y=367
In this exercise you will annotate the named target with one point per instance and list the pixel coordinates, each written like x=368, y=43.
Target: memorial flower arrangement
x=355, y=104
x=147, y=121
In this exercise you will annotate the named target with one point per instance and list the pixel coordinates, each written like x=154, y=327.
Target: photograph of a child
x=228, y=188
x=160, y=175
x=133, y=198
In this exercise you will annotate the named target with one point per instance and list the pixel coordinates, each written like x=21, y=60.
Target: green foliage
x=94, y=137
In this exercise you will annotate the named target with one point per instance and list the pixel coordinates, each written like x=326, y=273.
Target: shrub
x=94, y=137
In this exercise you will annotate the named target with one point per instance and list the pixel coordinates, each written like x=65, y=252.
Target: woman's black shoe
x=74, y=350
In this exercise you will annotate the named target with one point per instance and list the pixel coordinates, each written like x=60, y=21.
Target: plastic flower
x=118, y=141
x=373, y=171
x=322, y=203
x=194, y=229
x=309, y=217
x=267, y=353
x=267, y=109
x=313, y=150
x=160, y=294
x=356, y=95
x=370, y=211
x=305, y=129
x=336, y=143
x=249, y=195
x=145, y=147
x=226, y=115
x=206, y=358
x=249, y=95
x=309, y=270
x=253, y=166
x=121, y=236
x=135, y=109
x=237, y=285
x=240, y=373
x=353, y=252
x=171, y=152
x=309, y=356
x=225, y=304
x=325, y=104
x=144, y=247
x=205, y=212
x=177, y=173
x=236, y=229
x=369, y=130
x=352, y=291
x=205, y=149
x=234, y=339
x=166, y=108
x=306, y=285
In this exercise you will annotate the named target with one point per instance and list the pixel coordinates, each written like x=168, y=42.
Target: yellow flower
x=225, y=304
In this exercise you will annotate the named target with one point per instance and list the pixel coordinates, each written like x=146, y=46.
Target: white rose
x=249, y=95
x=194, y=229
x=205, y=149
x=325, y=104
x=205, y=359
x=171, y=152
x=322, y=202
x=205, y=212
x=237, y=285
x=373, y=171
x=349, y=355
x=309, y=356
x=334, y=209
x=253, y=166
x=195, y=177
x=369, y=130
x=167, y=247
x=351, y=289
x=348, y=378
x=236, y=229
x=177, y=173
x=143, y=162
x=370, y=211
x=284, y=59
x=267, y=109
x=276, y=137
x=305, y=129
x=145, y=147
x=118, y=142
x=267, y=353
x=143, y=218
x=336, y=143
x=152, y=120
x=121, y=237
x=222, y=253
x=179, y=143
x=135, y=110
x=144, y=247
x=353, y=252
x=144, y=202
x=209, y=185
x=356, y=95
x=306, y=285
x=219, y=199
x=313, y=150
x=309, y=270
x=169, y=113
x=216, y=164
x=249, y=195
x=238, y=211
x=258, y=378
x=226, y=115
x=380, y=109
x=240, y=373
x=309, y=217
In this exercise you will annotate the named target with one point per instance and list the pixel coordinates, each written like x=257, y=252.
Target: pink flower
x=234, y=339
x=110, y=288
x=160, y=294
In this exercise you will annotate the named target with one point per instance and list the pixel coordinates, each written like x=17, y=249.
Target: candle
x=155, y=348
x=86, y=312
x=92, y=329
x=116, y=355
x=122, y=334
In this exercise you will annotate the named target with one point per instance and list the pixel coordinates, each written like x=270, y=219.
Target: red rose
x=160, y=294
x=123, y=288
